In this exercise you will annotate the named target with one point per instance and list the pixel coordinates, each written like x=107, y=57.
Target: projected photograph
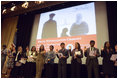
x=73, y=21
x=77, y=23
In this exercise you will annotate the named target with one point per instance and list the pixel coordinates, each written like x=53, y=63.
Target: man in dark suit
x=92, y=55
x=62, y=61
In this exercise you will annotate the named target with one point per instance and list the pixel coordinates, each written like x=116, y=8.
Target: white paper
x=113, y=57
x=78, y=53
x=30, y=58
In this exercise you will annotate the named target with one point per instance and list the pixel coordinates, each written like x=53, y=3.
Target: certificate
x=22, y=61
x=78, y=53
x=30, y=58
x=60, y=54
x=92, y=53
x=113, y=57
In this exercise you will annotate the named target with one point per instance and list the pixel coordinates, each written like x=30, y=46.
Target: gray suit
x=92, y=62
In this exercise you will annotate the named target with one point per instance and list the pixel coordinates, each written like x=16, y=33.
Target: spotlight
x=4, y=11
x=39, y=2
x=25, y=5
x=13, y=7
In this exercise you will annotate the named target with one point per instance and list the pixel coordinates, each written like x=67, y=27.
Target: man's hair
x=4, y=46
x=92, y=41
x=52, y=46
x=62, y=44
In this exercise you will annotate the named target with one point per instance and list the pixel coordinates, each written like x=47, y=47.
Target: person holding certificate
x=92, y=55
x=76, y=61
x=108, y=64
x=18, y=69
x=50, y=56
x=40, y=61
x=31, y=62
x=62, y=54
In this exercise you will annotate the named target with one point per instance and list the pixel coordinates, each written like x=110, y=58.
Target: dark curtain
x=112, y=21
x=24, y=29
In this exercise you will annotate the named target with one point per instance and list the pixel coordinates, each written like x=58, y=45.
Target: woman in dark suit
x=106, y=53
x=76, y=62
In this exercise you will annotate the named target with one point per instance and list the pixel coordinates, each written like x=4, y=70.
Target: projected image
x=47, y=32
x=79, y=27
x=64, y=32
x=73, y=21
x=68, y=25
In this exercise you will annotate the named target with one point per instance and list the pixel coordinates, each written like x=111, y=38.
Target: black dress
x=108, y=65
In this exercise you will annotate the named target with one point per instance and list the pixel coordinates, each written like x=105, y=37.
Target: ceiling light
x=4, y=11
x=25, y=5
x=39, y=2
x=13, y=8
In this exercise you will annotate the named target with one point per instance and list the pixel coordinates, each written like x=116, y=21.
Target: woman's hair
x=105, y=47
x=32, y=48
x=79, y=47
x=20, y=47
x=41, y=49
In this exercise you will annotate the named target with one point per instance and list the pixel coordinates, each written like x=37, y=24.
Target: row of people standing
x=91, y=55
x=35, y=61
x=77, y=53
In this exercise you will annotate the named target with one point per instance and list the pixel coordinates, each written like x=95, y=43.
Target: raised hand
x=85, y=48
x=56, y=50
